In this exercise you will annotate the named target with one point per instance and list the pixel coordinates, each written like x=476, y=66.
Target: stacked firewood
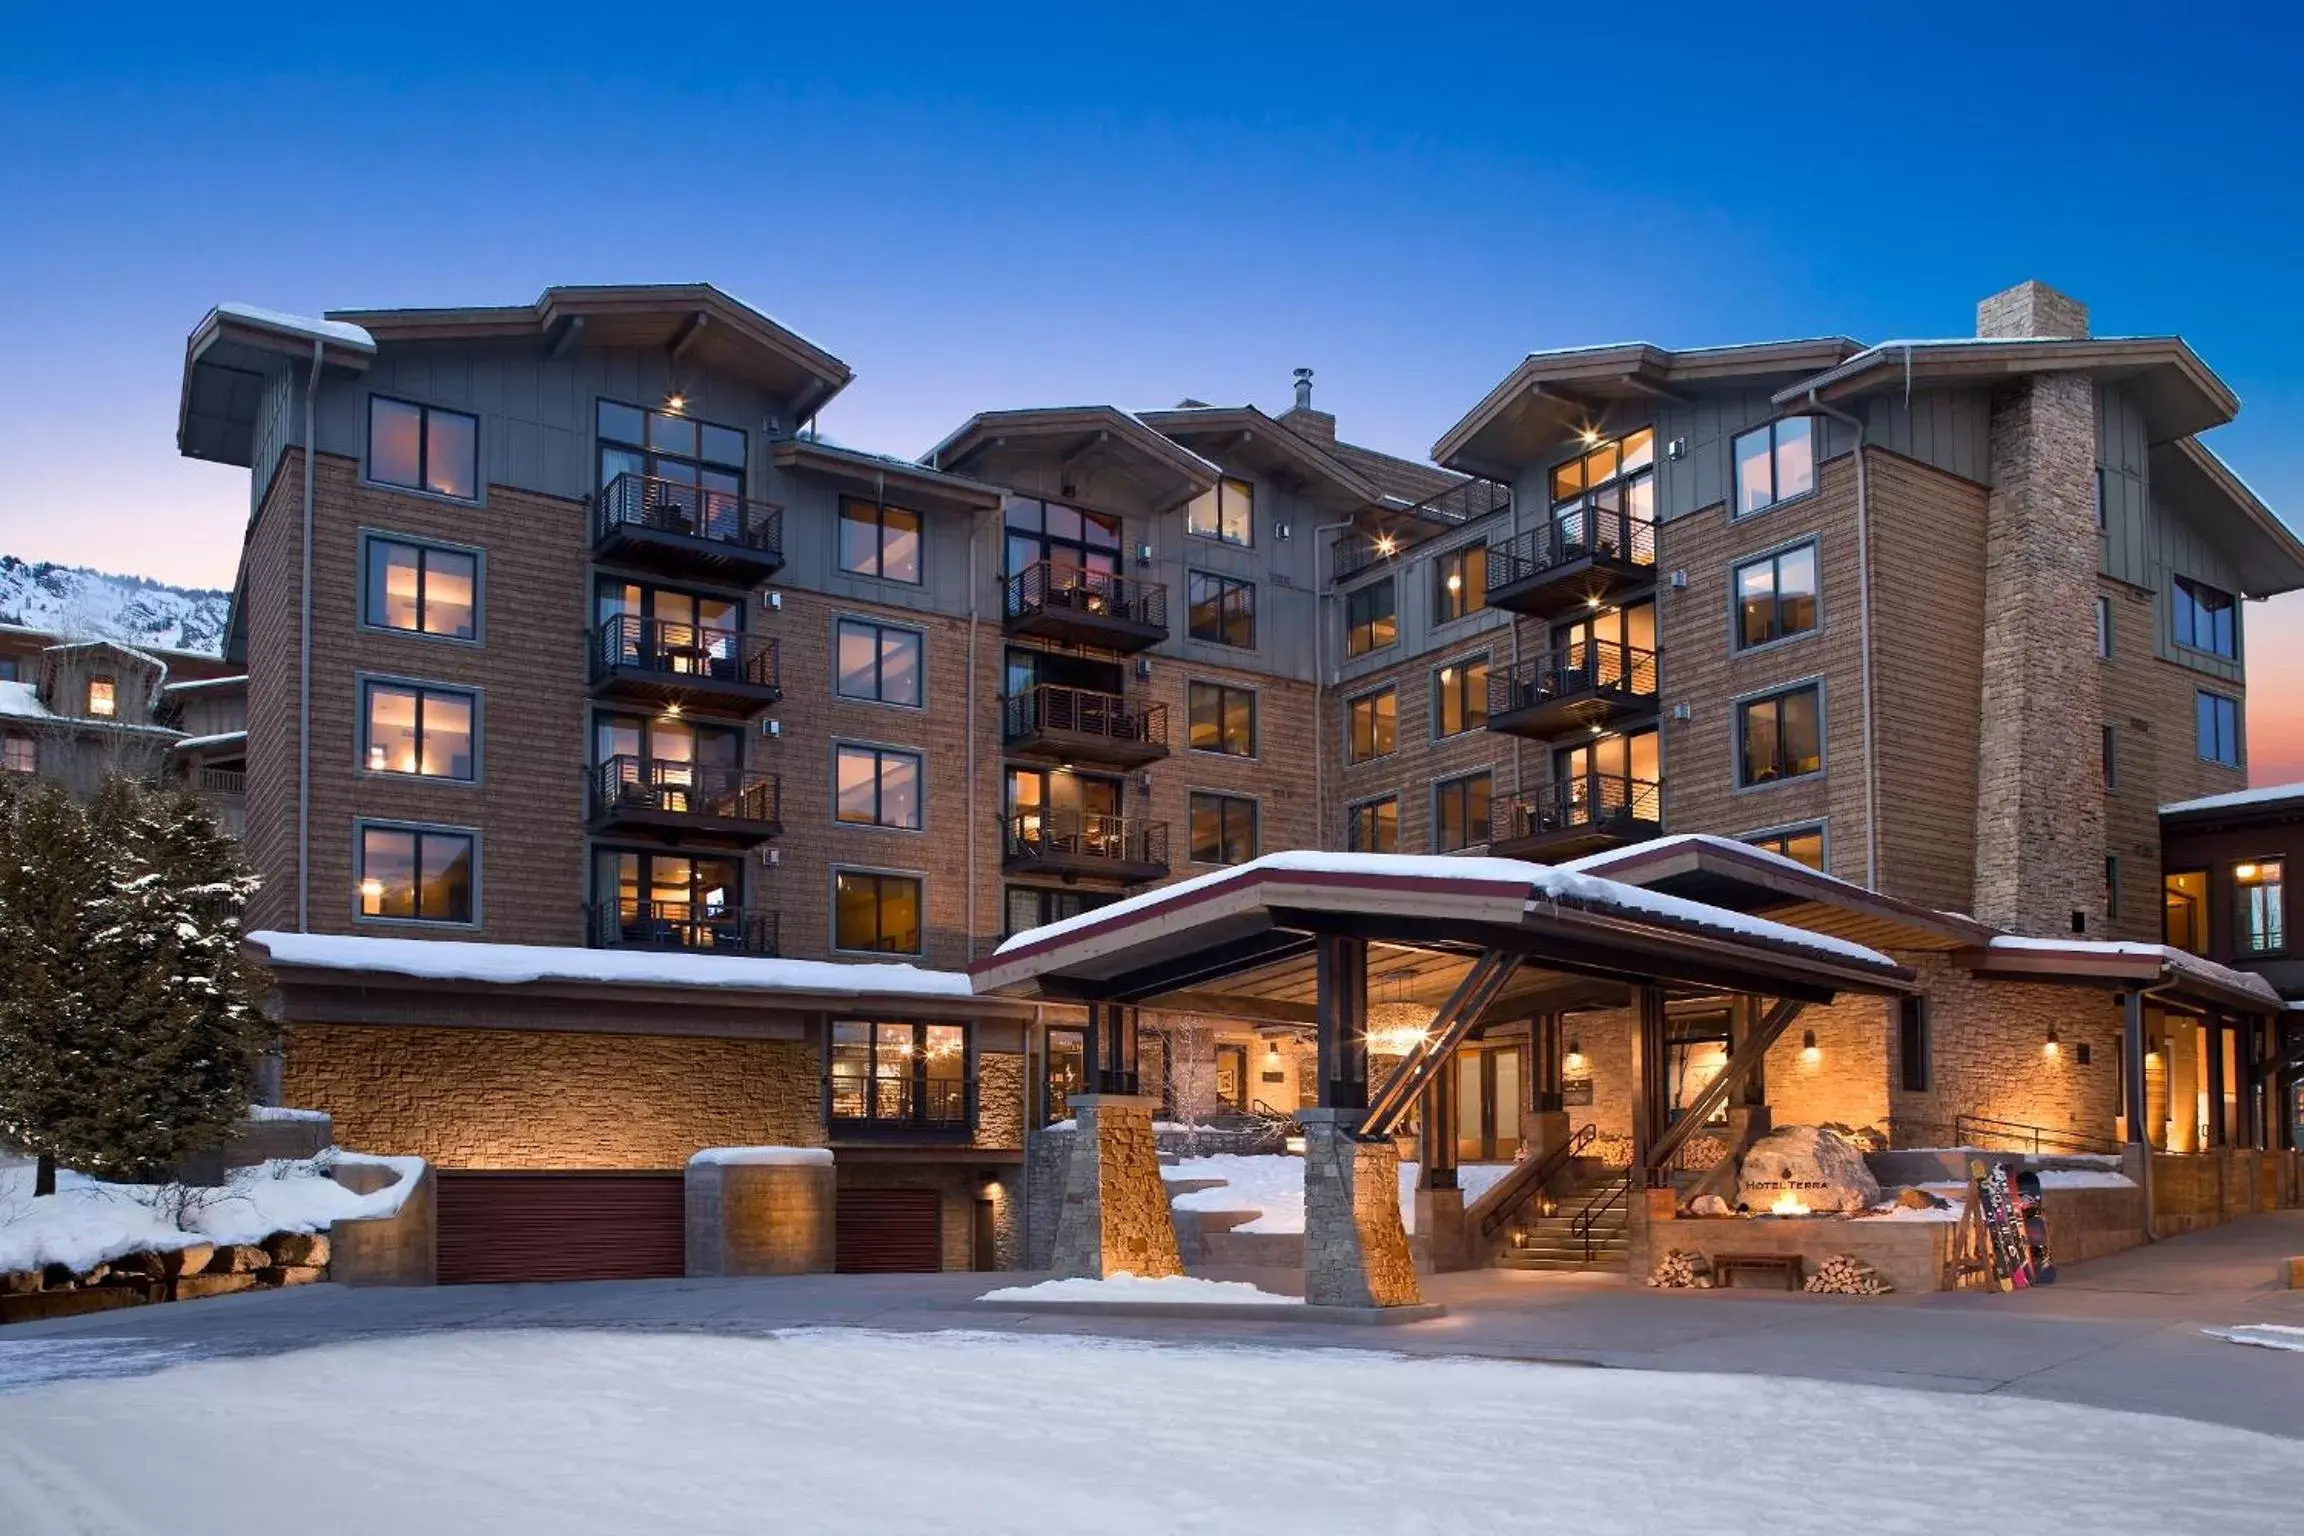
x=1678, y=1271
x=1846, y=1275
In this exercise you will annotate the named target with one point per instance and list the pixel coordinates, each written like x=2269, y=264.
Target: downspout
x=304, y=671
x=1323, y=591
x=968, y=737
x=1863, y=639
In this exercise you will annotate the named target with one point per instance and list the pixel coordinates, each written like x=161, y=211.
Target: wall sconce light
x=1808, y=1050
x=675, y=402
x=1272, y=1051
x=988, y=1188
x=2051, y=1047
x=1574, y=1061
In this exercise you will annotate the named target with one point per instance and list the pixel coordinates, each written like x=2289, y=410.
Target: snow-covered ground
x=2262, y=1335
x=1274, y=1185
x=1165, y=1289
x=835, y=1432
x=86, y=1222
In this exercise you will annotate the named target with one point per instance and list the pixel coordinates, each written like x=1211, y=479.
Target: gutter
x=1326, y=591
x=968, y=736
x=304, y=665
x=1863, y=636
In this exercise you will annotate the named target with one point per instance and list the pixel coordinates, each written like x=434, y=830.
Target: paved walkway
x=2123, y=1332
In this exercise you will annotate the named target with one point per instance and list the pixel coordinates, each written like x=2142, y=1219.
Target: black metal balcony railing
x=1608, y=669
x=223, y=781
x=1593, y=802
x=630, y=924
x=1050, y=707
x=652, y=504
x=1052, y=587
x=686, y=789
x=684, y=651
x=1073, y=835
x=1575, y=533
x=894, y=1103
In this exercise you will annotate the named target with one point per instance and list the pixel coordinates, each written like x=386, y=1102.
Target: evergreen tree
x=129, y=1025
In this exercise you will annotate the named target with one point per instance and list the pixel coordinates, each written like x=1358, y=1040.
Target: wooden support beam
x=1449, y=1026
x=1340, y=1033
x=1652, y=389
x=688, y=334
x=1648, y=1072
x=1081, y=450
x=1744, y=1060
x=2132, y=1095
x=1546, y=1090
x=571, y=332
x=1436, y=1132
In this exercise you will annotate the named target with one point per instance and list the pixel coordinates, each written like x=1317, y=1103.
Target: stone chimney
x=1318, y=425
x=2039, y=779
x=2032, y=309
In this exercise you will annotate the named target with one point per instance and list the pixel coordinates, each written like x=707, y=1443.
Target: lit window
x=411, y=729
x=103, y=698
x=1223, y=829
x=1223, y=719
x=1225, y=511
x=422, y=589
x=1780, y=736
x=1033, y=906
x=879, y=913
x=1802, y=845
x=878, y=663
x=423, y=448
x=2184, y=910
x=877, y=787
x=1372, y=726
x=1370, y=622
x=899, y=1076
x=1460, y=697
x=416, y=874
x=2204, y=617
x=1776, y=596
x=19, y=753
x=1221, y=609
x=2259, y=917
x=1373, y=826
x=1460, y=812
x=1774, y=463
x=879, y=540
x=2216, y=728
x=1459, y=583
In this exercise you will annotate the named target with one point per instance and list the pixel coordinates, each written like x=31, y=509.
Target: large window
x=2184, y=909
x=876, y=913
x=1610, y=477
x=1065, y=536
x=1222, y=609
x=2216, y=728
x=1223, y=718
x=415, y=729
x=1370, y=622
x=1371, y=725
x=417, y=874
x=1373, y=826
x=1067, y=1072
x=423, y=448
x=1460, y=697
x=877, y=787
x=1802, y=845
x=19, y=753
x=2259, y=916
x=1460, y=812
x=1775, y=463
x=1459, y=582
x=1223, y=829
x=675, y=447
x=1226, y=511
x=422, y=589
x=1034, y=906
x=673, y=898
x=1780, y=736
x=878, y=663
x=2204, y=617
x=103, y=698
x=1776, y=596
x=877, y=540
x=899, y=1077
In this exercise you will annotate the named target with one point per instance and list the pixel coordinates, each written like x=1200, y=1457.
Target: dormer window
x=103, y=698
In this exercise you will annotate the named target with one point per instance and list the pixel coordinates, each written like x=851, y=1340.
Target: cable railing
x=1578, y=532
x=633, y=924
x=1083, y=835
x=676, y=651
x=654, y=504
x=1054, y=587
x=1604, y=667
x=686, y=789
x=1084, y=712
x=1592, y=801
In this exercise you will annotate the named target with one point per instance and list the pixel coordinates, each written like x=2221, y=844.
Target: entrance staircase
x=1589, y=1230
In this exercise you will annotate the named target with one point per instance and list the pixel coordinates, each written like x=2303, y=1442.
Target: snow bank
x=1127, y=1287
x=87, y=1222
x=1273, y=1186
x=762, y=1157
x=2262, y=1335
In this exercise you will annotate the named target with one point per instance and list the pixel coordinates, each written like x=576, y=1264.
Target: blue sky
x=981, y=209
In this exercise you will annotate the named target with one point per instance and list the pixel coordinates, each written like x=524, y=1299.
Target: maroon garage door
x=497, y=1227
x=888, y=1231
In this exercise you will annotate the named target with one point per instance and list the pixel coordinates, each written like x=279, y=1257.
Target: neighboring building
x=80, y=711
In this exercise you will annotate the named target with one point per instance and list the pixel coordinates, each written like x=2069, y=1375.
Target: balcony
x=1066, y=725
x=735, y=806
x=1586, y=557
x=1596, y=684
x=670, y=525
x=1076, y=606
x=1071, y=843
x=1570, y=817
x=653, y=662
x=681, y=925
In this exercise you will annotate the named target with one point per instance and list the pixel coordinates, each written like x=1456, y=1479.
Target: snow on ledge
x=511, y=964
x=762, y=1157
x=2238, y=799
x=1125, y=1287
x=2182, y=961
x=300, y=325
x=282, y=1112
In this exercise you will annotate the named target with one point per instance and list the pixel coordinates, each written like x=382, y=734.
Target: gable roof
x=1246, y=434
x=1171, y=473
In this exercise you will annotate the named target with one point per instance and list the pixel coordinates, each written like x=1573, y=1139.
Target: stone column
x=767, y=1214
x=1355, y=1248
x=1114, y=1216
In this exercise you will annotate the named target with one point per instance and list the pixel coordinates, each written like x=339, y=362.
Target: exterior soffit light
x=1808, y=1047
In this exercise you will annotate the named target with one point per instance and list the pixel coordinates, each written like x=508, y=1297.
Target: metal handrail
x=1527, y=1180
x=686, y=788
x=684, y=650
x=1121, y=839
x=1587, y=1220
x=1579, y=532
x=1054, y=585
x=637, y=924
x=1605, y=667
x=1084, y=712
x=1600, y=801
x=2041, y=1137
x=635, y=500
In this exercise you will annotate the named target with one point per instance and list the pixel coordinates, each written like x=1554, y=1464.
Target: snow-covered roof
x=196, y=684
x=2263, y=795
x=301, y=325
x=1610, y=858
x=202, y=743
x=2181, y=962
x=513, y=964
x=22, y=701
x=762, y=1157
x=1544, y=883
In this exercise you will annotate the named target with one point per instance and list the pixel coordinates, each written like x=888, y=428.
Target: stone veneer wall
x=1987, y=1042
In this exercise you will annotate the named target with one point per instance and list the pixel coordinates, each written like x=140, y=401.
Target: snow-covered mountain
x=78, y=603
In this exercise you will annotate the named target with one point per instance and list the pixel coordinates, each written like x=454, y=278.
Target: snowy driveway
x=838, y=1431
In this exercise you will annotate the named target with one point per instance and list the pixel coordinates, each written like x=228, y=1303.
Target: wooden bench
x=1725, y=1266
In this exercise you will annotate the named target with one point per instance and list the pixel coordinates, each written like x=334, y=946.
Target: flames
x=1789, y=1204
